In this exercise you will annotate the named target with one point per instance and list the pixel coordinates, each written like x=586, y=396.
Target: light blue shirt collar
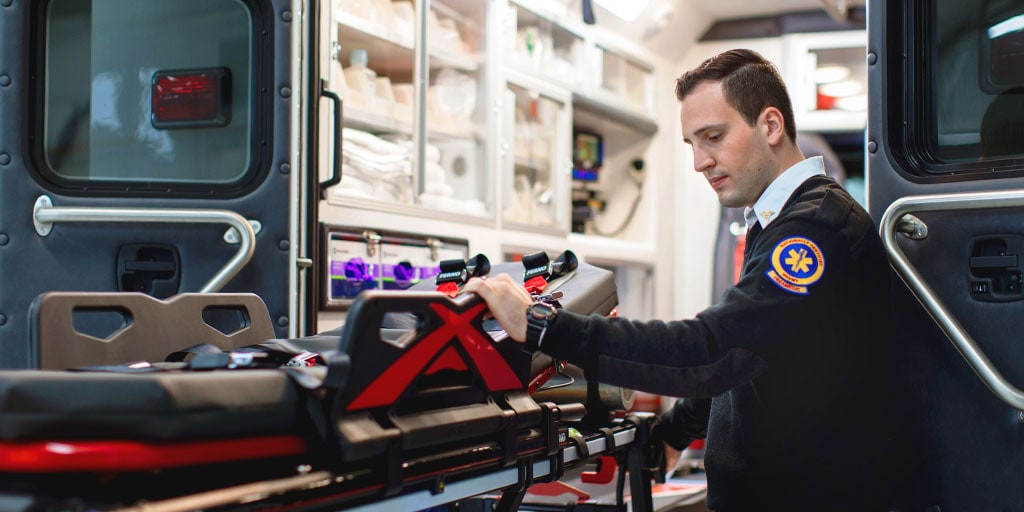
x=768, y=206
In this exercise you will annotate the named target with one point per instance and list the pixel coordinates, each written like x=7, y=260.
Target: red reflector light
x=191, y=99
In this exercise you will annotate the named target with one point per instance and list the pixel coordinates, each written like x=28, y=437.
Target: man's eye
x=715, y=138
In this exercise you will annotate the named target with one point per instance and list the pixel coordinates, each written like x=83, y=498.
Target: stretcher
x=417, y=401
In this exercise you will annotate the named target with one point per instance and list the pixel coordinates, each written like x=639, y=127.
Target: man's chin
x=729, y=202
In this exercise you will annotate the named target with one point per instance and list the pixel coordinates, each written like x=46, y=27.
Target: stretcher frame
x=531, y=447
x=628, y=438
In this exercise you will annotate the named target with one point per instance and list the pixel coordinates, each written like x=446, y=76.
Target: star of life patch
x=797, y=263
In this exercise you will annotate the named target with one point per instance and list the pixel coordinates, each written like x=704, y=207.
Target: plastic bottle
x=361, y=78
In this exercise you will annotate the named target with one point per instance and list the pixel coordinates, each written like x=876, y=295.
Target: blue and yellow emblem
x=796, y=264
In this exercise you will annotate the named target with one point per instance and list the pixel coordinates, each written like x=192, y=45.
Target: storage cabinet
x=535, y=43
x=624, y=79
x=535, y=131
x=417, y=123
x=414, y=118
x=461, y=124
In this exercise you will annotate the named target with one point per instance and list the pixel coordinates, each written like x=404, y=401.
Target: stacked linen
x=375, y=168
x=438, y=193
x=380, y=169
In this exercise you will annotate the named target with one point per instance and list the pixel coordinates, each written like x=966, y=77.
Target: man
x=786, y=375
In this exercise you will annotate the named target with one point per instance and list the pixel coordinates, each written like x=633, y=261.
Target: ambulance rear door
x=144, y=147
x=945, y=152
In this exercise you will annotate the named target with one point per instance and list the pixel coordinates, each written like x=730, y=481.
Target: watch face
x=542, y=310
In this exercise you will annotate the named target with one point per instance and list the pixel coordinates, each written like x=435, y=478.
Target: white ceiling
x=686, y=20
x=727, y=9
x=690, y=18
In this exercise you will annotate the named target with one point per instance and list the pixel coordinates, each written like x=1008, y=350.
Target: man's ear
x=774, y=124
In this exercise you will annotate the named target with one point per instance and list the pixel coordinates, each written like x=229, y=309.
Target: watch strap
x=537, y=325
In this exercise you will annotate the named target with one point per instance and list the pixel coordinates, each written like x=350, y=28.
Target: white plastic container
x=361, y=80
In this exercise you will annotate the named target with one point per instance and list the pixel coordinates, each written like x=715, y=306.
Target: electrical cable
x=637, y=178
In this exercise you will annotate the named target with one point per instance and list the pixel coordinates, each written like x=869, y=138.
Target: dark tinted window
x=103, y=61
x=964, y=86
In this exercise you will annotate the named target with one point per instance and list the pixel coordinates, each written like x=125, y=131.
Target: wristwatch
x=538, y=316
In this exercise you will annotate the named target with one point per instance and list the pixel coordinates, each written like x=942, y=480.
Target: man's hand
x=506, y=299
x=671, y=459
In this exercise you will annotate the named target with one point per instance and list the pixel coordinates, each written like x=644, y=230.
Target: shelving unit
x=536, y=76
x=534, y=139
x=536, y=42
x=428, y=96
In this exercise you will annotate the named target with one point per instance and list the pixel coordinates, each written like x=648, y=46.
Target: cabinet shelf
x=532, y=164
x=367, y=120
x=441, y=58
x=373, y=122
x=411, y=212
x=610, y=107
x=395, y=52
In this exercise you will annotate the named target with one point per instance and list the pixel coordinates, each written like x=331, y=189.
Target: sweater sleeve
x=726, y=345
x=679, y=358
x=686, y=421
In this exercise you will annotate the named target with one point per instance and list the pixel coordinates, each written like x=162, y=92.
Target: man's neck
x=788, y=156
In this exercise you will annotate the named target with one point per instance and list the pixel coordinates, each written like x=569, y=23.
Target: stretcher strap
x=558, y=488
x=454, y=273
x=127, y=456
x=451, y=288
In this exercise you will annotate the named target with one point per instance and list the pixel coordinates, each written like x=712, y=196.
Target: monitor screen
x=587, y=155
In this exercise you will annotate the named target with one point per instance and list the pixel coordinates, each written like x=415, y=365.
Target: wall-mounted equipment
x=587, y=155
x=362, y=259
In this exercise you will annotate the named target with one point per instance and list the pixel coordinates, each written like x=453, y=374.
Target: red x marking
x=495, y=371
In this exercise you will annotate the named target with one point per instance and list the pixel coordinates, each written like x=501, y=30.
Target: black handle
x=1005, y=261
x=336, y=171
x=588, y=12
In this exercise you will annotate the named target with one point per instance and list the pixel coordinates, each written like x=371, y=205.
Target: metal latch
x=372, y=242
x=232, y=237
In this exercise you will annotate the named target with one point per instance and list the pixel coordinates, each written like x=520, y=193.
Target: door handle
x=983, y=262
x=896, y=220
x=44, y=215
x=338, y=140
x=994, y=270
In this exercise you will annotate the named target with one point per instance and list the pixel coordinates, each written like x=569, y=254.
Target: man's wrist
x=539, y=316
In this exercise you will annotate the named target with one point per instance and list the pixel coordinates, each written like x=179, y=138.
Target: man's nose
x=702, y=161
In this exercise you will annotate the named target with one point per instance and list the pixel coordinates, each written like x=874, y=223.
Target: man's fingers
x=478, y=286
x=488, y=287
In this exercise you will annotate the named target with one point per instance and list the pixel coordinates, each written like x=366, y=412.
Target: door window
x=148, y=95
x=964, y=99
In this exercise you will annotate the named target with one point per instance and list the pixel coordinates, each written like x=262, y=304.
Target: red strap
x=605, y=471
x=122, y=456
x=535, y=285
x=540, y=379
x=451, y=288
x=557, y=488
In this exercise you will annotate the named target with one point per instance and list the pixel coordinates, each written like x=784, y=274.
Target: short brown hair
x=751, y=83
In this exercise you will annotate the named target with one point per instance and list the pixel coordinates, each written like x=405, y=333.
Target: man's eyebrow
x=706, y=128
x=703, y=129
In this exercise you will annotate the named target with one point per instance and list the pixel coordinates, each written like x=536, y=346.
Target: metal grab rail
x=44, y=214
x=897, y=220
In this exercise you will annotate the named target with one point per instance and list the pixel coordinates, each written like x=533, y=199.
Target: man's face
x=733, y=156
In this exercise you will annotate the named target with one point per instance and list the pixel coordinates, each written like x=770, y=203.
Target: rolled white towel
x=438, y=189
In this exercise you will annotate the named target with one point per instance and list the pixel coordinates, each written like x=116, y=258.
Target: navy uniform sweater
x=785, y=377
